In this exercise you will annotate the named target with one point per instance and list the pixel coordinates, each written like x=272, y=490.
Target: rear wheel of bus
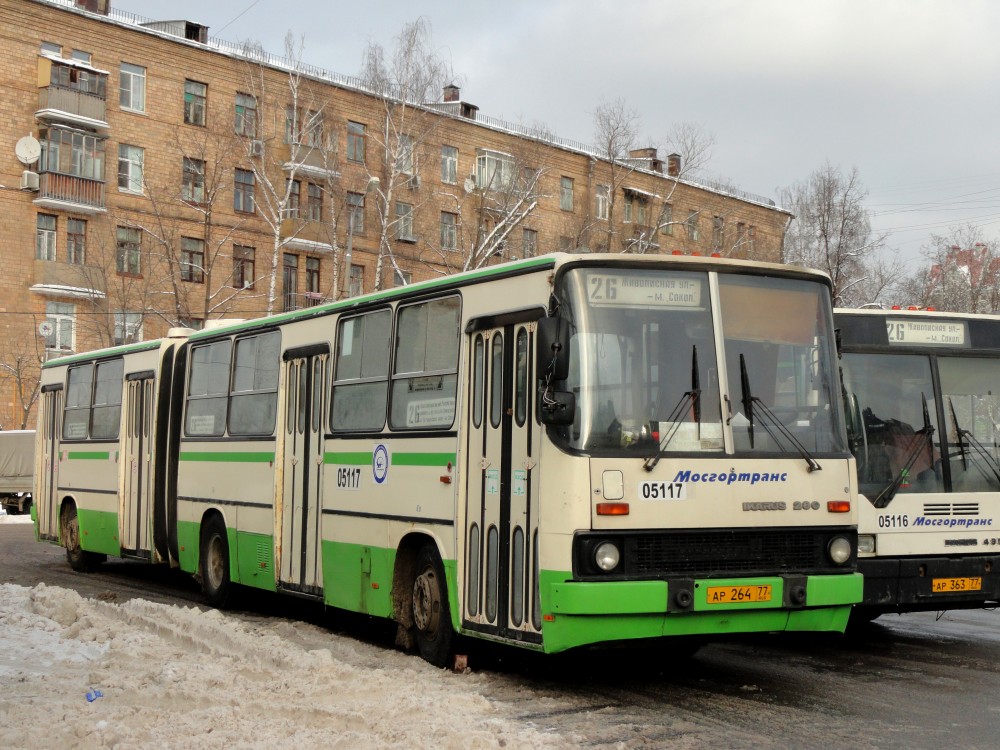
x=214, y=563
x=79, y=560
x=431, y=615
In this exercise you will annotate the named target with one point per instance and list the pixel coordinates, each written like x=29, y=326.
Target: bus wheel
x=431, y=617
x=214, y=567
x=79, y=559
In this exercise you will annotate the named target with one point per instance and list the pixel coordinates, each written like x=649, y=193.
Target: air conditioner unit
x=256, y=148
x=29, y=180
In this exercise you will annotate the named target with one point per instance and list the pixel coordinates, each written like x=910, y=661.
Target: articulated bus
x=924, y=426
x=564, y=451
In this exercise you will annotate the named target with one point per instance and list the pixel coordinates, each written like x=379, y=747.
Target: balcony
x=59, y=104
x=68, y=280
x=66, y=192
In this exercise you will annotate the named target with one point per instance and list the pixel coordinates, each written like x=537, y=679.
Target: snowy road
x=174, y=674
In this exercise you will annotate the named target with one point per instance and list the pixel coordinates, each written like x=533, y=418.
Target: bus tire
x=79, y=559
x=214, y=563
x=431, y=615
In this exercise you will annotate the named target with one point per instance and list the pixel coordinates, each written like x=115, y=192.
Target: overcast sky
x=903, y=90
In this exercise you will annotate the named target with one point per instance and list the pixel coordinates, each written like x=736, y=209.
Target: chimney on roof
x=674, y=165
x=452, y=93
x=649, y=156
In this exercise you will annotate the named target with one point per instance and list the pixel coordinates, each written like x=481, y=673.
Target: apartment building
x=154, y=177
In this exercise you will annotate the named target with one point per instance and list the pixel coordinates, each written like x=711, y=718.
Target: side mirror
x=556, y=407
x=552, y=349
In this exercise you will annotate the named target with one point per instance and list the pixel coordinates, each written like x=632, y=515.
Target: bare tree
x=616, y=131
x=405, y=83
x=832, y=231
x=962, y=273
x=20, y=371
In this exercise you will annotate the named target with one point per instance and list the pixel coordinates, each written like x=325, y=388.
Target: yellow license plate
x=946, y=585
x=737, y=594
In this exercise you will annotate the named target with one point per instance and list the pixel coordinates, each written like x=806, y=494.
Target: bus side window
x=425, y=372
x=361, y=372
x=78, y=399
x=208, y=389
x=255, y=385
x=108, y=399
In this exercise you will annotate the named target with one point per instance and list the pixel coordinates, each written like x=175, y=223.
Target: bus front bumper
x=911, y=584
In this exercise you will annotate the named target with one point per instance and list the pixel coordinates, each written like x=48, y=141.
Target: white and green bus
x=922, y=392
x=556, y=452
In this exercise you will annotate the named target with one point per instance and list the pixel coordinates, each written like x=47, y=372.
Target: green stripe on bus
x=229, y=457
x=89, y=455
x=422, y=459
x=348, y=458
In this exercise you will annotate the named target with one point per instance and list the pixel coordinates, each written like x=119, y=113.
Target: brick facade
x=158, y=289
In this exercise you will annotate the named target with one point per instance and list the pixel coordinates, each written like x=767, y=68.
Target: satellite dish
x=28, y=150
x=45, y=328
x=470, y=184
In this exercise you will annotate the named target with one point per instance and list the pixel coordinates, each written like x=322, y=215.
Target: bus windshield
x=645, y=364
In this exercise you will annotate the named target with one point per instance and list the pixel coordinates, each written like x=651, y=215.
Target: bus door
x=48, y=501
x=136, y=494
x=300, y=549
x=502, y=500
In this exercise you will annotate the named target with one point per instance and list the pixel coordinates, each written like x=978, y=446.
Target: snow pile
x=182, y=677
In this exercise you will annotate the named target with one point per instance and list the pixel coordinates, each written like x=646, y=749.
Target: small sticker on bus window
x=203, y=424
x=430, y=412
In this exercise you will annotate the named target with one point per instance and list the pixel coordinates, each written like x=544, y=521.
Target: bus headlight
x=866, y=543
x=607, y=556
x=839, y=550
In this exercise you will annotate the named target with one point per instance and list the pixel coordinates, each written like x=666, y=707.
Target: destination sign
x=647, y=290
x=927, y=332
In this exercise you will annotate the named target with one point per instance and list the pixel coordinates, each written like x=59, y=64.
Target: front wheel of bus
x=214, y=568
x=431, y=617
x=79, y=559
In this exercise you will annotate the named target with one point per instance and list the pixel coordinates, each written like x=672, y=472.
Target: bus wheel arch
x=421, y=601
x=213, y=560
x=69, y=534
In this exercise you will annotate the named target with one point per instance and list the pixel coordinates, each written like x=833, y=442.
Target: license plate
x=737, y=594
x=946, y=585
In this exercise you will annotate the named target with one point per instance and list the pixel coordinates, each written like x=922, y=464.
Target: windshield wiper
x=769, y=419
x=922, y=439
x=688, y=399
x=981, y=449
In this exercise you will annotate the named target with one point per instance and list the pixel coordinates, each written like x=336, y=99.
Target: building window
x=718, y=228
x=356, y=213
x=314, y=208
x=641, y=214
x=61, y=317
x=81, y=56
x=74, y=78
x=294, y=190
x=128, y=254
x=404, y=222
x=692, y=226
x=195, y=96
x=494, y=170
x=192, y=260
x=130, y=168
x=404, y=156
x=449, y=165
x=313, y=295
x=132, y=87
x=76, y=241
x=243, y=270
x=357, y=280
x=193, y=181
x=356, y=142
x=128, y=328
x=246, y=115
x=667, y=219
x=314, y=129
x=566, y=194
x=291, y=125
x=243, y=191
x=45, y=237
x=449, y=231
x=627, y=208
x=71, y=152
x=750, y=238
x=195, y=324
x=51, y=48
x=401, y=278
x=290, y=281
x=529, y=242
x=565, y=244
x=602, y=201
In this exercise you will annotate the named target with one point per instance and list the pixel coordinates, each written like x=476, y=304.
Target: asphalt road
x=916, y=681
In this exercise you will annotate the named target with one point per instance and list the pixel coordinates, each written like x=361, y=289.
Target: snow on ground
x=175, y=677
